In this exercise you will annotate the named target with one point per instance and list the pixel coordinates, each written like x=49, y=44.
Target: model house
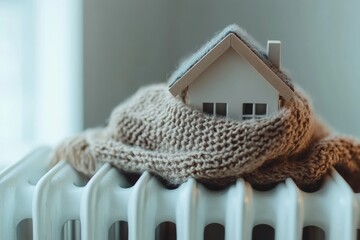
x=230, y=76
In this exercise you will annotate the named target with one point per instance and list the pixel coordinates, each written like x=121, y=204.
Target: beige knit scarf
x=155, y=132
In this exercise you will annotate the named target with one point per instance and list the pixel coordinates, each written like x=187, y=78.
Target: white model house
x=230, y=76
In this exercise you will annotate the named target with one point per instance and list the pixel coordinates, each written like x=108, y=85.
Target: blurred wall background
x=40, y=74
x=128, y=44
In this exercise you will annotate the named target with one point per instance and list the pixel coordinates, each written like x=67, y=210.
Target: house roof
x=231, y=37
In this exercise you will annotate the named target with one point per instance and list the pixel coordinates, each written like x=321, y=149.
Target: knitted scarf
x=155, y=132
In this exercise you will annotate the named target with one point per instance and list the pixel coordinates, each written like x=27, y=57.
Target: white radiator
x=52, y=197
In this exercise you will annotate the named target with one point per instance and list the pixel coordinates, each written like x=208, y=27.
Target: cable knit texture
x=155, y=132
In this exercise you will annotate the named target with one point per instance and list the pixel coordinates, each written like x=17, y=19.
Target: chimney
x=273, y=51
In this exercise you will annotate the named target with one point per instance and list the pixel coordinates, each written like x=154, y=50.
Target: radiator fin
x=30, y=191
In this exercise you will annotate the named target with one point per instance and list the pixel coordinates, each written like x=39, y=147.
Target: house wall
x=231, y=79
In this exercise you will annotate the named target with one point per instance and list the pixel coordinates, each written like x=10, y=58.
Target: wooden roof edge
x=231, y=40
x=199, y=66
x=243, y=50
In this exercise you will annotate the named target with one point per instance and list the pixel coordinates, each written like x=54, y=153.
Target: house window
x=254, y=110
x=208, y=108
x=220, y=109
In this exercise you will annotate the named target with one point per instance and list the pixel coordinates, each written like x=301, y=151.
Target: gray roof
x=252, y=44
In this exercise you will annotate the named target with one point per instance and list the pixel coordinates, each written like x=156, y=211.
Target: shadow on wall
x=128, y=44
